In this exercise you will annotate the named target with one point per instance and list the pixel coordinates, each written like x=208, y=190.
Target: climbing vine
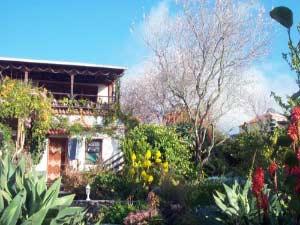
x=27, y=109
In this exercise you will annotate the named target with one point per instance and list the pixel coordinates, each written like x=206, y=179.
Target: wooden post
x=72, y=86
x=110, y=92
x=26, y=76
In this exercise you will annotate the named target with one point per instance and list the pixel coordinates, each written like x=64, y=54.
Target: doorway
x=57, y=157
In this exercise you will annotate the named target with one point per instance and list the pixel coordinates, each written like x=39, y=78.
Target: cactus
x=26, y=200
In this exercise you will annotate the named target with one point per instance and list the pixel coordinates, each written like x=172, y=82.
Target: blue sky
x=90, y=31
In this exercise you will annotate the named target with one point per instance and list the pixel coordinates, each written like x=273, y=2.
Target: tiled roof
x=58, y=131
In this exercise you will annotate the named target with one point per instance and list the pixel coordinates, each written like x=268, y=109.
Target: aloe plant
x=236, y=206
x=26, y=200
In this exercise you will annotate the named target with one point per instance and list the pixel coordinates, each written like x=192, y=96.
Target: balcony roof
x=62, y=67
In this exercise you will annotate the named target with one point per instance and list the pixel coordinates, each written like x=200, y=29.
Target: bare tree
x=199, y=54
x=145, y=96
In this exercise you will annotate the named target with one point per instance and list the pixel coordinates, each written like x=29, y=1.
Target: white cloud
x=256, y=96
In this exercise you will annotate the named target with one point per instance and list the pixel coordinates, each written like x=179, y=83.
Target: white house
x=91, y=88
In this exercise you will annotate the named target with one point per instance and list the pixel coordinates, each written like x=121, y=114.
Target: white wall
x=42, y=166
x=110, y=145
x=103, y=91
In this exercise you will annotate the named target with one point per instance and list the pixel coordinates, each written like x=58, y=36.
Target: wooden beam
x=62, y=82
x=72, y=86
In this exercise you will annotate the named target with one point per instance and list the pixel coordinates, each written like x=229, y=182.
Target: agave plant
x=236, y=206
x=26, y=200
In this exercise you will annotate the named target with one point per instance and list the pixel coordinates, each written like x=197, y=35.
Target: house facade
x=82, y=94
x=266, y=121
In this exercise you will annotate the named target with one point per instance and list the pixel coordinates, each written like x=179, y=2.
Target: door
x=57, y=157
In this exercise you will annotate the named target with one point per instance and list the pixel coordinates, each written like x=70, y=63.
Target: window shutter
x=72, y=148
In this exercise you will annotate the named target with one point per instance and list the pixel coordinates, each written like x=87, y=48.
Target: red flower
x=295, y=114
x=258, y=181
x=272, y=168
x=264, y=203
x=295, y=171
x=293, y=132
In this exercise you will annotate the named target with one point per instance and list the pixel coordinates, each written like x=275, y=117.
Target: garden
x=181, y=173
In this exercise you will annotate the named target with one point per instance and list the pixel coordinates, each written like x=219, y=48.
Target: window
x=93, y=152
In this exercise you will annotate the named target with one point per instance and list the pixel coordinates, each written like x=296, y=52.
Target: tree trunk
x=20, y=141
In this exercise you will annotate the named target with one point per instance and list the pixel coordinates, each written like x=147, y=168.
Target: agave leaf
x=33, y=202
x=41, y=187
x=232, y=211
x=11, y=214
x=22, y=166
x=19, y=179
x=246, y=188
x=63, y=201
x=3, y=174
x=51, y=194
x=232, y=196
x=220, y=204
x=220, y=196
x=68, y=216
x=6, y=195
x=1, y=203
x=37, y=218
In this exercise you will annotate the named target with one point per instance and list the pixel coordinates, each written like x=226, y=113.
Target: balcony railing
x=82, y=101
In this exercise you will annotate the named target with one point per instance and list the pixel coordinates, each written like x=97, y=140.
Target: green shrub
x=247, y=150
x=116, y=186
x=116, y=213
x=6, y=142
x=201, y=194
x=155, y=138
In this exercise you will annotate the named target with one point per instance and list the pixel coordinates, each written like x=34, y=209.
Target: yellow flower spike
x=148, y=154
x=150, y=179
x=135, y=165
x=166, y=166
x=133, y=157
x=158, y=154
x=158, y=160
x=144, y=174
x=147, y=163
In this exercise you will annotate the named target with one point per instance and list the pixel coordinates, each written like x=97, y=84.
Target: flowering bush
x=148, y=168
x=152, y=149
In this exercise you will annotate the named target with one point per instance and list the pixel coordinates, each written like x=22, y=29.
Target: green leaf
x=220, y=204
x=11, y=214
x=52, y=193
x=63, y=201
x=37, y=218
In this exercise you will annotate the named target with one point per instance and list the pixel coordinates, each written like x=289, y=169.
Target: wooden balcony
x=82, y=103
